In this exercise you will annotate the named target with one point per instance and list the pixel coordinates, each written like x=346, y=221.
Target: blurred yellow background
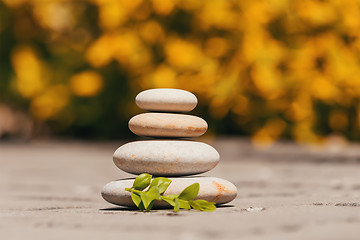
x=266, y=69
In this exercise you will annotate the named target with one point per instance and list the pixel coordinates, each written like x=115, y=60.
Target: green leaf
x=137, y=200
x=142, y=181
x=202, y=205
x=161, y=183
x=176, y=206
x=146, y=200
x=170, y=199
x=172, y=196
x=149, y=196
x=184, y=204
x=190, y=192
x=150, y=206
x=154, y=193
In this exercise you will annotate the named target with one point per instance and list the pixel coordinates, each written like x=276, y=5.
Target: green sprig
x=144, y=200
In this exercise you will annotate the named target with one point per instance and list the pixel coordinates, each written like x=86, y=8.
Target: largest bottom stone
x=212, y=189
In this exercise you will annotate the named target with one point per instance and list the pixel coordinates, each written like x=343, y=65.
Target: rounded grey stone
x=211, y=189
x=166, y=157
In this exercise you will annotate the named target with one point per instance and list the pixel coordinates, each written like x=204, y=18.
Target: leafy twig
x=144, y=200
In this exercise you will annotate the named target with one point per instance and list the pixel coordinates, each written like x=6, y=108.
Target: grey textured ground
x=51, y=190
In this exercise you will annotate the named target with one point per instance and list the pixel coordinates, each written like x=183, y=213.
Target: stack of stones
x=171, y=155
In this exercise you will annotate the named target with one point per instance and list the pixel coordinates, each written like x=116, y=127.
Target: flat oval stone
x=166, y=158
x=166, y=99
x=212, y=189
x=167, y=125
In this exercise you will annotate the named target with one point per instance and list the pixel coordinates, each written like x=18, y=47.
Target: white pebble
x=166, y=99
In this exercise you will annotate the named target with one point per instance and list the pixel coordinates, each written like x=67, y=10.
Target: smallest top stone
x=166, y=100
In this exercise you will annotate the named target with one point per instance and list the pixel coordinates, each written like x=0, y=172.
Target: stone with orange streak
x=211, y=189
x=222, y=190
x=166, y=157
x=167, y=125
